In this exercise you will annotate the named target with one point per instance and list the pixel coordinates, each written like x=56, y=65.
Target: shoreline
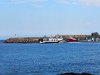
x=94, y=37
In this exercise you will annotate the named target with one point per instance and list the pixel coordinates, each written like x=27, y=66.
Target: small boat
x=49, y=42
x=71, y=39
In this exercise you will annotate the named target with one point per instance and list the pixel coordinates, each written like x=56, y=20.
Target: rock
x=76, y=74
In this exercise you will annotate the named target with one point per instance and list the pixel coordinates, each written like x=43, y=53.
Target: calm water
x=49, y=59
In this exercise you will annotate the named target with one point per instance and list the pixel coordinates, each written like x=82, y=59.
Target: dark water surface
x=49, y=59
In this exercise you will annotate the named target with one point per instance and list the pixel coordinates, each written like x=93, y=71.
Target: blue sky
x=48, y=17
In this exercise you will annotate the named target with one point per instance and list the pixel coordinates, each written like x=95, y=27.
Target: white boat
x=53, y=40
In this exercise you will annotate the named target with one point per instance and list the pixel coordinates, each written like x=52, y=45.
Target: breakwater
x=23, y=40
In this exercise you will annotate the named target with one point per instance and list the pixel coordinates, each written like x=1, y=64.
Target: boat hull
x=50, y=42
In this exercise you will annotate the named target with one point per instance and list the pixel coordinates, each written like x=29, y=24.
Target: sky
x=48, y=17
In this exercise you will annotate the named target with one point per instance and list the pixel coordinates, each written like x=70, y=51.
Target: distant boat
x=71, y=39
x=53, y=40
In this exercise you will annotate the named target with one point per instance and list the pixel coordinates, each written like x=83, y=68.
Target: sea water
x=49, y=59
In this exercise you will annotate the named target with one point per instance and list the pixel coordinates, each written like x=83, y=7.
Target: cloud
x=36, y=3
x=63, y=1
x=41, y=2
x=27, y=1
x=85, y=2
x=90, y=2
